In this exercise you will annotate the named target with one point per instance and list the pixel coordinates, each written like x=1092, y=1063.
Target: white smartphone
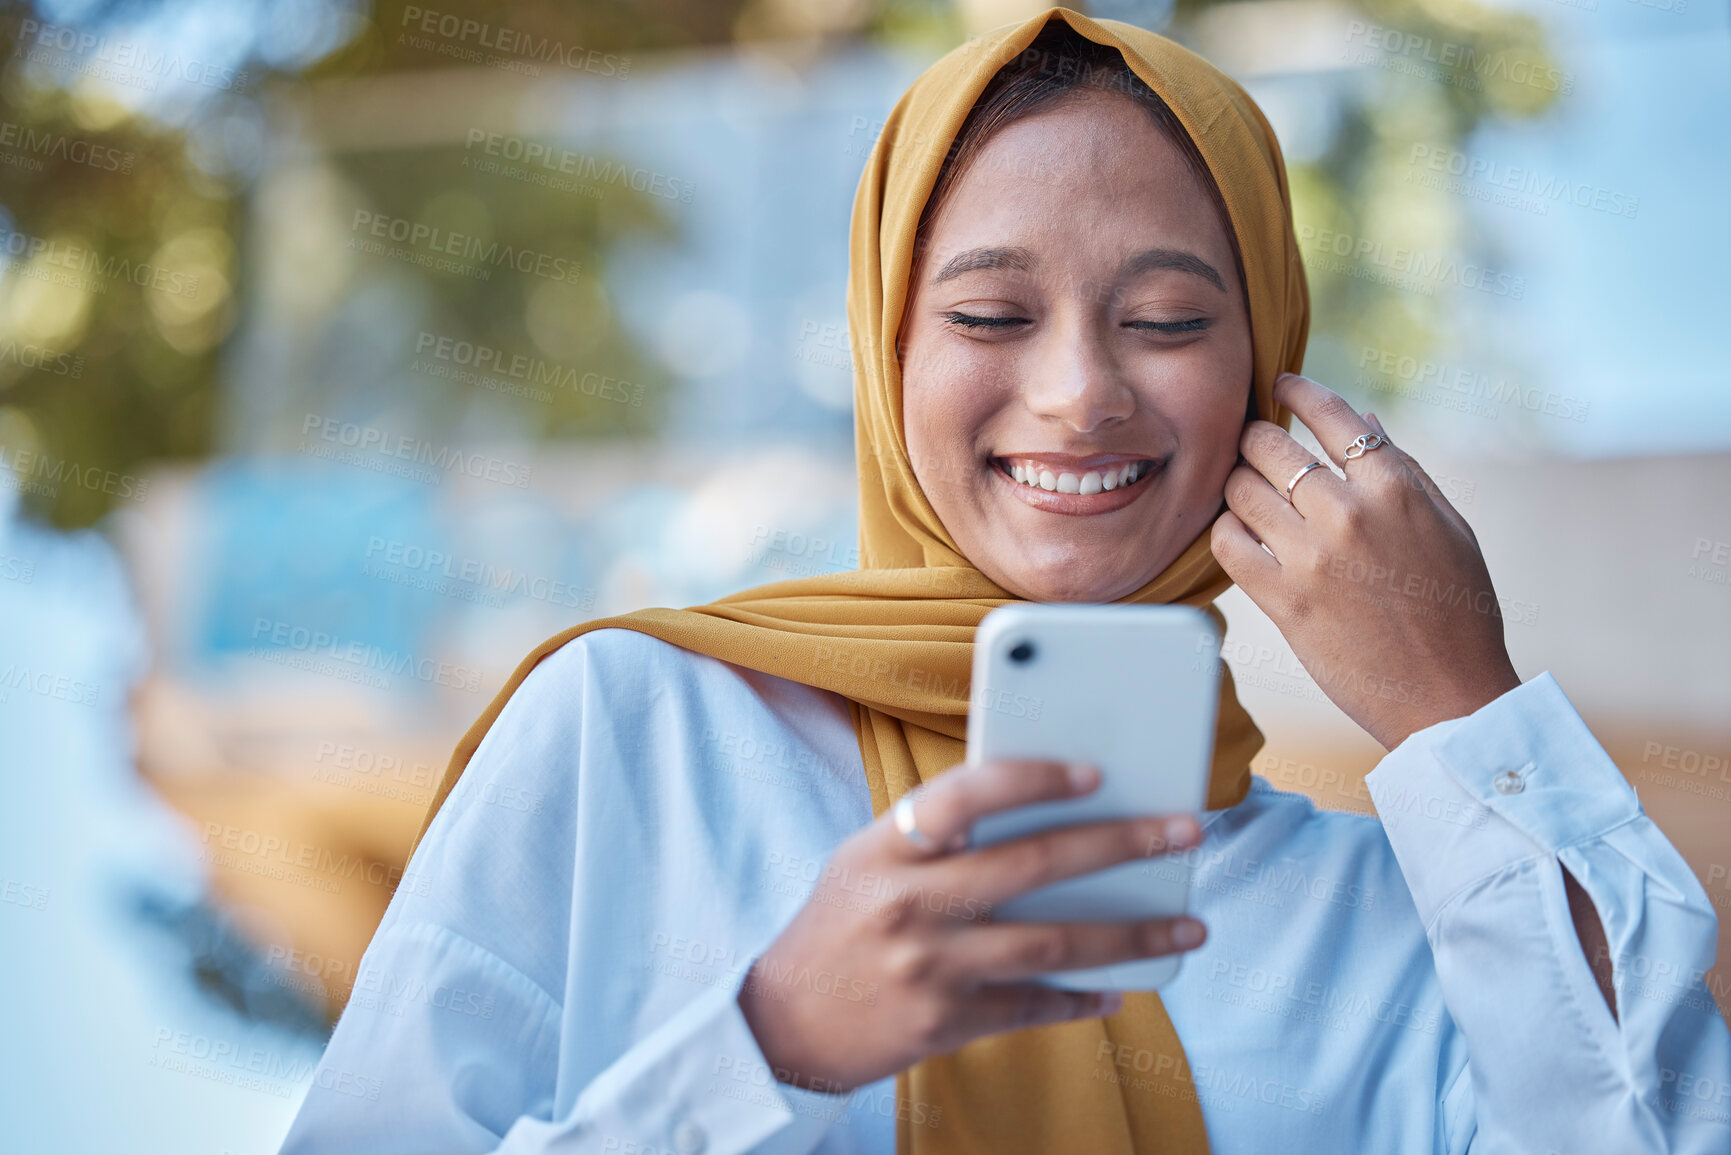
x=1132, y=689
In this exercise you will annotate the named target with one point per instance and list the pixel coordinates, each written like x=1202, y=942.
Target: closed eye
x=1170, y=328
x=969, y=321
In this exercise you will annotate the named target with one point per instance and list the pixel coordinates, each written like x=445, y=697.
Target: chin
x=1059, y=582
x=1085, y=566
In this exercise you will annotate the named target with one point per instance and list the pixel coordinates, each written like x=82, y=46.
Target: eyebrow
x=1022, y=261
x=1177, y=259
x=972, y=260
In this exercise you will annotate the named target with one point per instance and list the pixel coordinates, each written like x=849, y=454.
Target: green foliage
x=100, y=376
x=1463, y=65
x=99, y=373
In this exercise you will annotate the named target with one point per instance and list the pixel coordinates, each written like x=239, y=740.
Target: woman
x=1073, y=278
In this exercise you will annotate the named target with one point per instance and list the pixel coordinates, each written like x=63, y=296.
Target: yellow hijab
x=896, y=637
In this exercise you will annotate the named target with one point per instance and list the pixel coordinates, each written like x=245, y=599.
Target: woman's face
x=1075, y=321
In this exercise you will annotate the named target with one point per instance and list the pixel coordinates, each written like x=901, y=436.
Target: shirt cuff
x=1520, y=778
x=697, y=1084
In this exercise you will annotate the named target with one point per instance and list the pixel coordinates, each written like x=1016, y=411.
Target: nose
x=1075, y=379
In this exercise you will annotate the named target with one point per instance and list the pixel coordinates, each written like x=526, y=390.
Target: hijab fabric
x=896, y=637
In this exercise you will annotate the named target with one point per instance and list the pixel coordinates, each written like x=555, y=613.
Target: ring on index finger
x=903, y=816
x=1361, y=445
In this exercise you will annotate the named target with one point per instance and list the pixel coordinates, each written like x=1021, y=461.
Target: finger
x=946, y=808
x=995, y=873
x=1010, y=951
x=1265, y=512
x=1018, y=1006
x=1370, y=420
x=1240, y=554
x=1324, y=412
x=1277, y=457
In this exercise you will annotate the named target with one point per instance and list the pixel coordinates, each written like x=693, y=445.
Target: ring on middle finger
x=1299, y=476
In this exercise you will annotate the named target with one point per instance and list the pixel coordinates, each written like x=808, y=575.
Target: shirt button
x=1509, y=782
x=689, y=1138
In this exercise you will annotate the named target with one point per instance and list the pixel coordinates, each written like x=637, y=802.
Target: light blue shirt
x=558, y=971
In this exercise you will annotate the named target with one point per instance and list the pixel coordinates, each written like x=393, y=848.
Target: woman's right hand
x=895, y=957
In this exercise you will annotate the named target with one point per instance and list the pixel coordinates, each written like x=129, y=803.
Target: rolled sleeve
x=1520, y=779
x=1480, y=812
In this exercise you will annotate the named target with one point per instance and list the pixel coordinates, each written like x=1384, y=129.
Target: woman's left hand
x=1377, y=583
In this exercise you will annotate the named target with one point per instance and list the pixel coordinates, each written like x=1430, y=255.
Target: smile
x=1060, y=483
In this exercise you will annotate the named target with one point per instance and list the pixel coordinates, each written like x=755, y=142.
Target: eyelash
x=968, y=321
x=1172, y=328
x=1165, y=328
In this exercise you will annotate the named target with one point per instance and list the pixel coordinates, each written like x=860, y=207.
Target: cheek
x=1213, y=450
x=1216, y=421
x=1208, y=415
x=946, y=398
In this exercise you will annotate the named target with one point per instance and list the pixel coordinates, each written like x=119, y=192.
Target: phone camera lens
x=1022, y=652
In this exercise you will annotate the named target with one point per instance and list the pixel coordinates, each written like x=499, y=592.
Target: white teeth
x=1091, y=482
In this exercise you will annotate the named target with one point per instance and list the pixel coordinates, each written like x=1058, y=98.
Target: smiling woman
x=1077, y=313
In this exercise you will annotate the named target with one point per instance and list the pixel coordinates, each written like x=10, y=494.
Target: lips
x=1063, y=483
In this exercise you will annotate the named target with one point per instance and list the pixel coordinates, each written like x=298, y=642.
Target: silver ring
x=1363, y=444
x=903, y=813
x=1298, y=476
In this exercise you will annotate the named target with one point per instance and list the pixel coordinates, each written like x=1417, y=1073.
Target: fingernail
x=1111, y=1002
x=1083, y=776
x=1187, y=933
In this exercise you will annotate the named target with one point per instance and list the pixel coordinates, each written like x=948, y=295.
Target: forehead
x=1094, y=168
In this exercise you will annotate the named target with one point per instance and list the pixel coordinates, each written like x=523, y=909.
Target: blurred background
x=346, y=352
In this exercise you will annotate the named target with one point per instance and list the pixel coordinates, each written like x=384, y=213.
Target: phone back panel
x=1132, y=689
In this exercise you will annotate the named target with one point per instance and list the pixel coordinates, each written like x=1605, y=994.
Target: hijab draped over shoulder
x=895, y=637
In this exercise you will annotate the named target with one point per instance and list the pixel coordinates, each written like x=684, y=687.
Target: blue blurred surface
x=109, y=1044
